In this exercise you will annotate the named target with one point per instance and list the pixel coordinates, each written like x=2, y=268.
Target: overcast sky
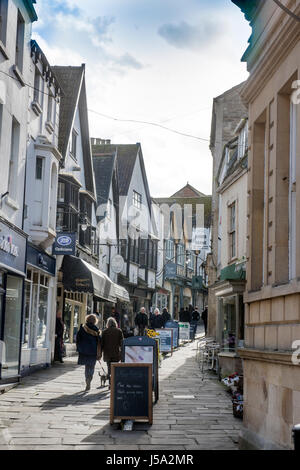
x=161, y=61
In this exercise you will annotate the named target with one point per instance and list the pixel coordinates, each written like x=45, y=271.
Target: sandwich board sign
x=184, y=332
x=166, y=340
x=175, y=327
x=131, y=392
x=142, y=350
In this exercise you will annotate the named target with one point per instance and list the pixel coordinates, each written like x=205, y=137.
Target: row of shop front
x=31, y=294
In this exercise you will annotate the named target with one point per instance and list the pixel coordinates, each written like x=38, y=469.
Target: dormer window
x=73, y=144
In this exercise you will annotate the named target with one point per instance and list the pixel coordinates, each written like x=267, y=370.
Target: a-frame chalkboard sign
x=141, y=349
x=131, y=392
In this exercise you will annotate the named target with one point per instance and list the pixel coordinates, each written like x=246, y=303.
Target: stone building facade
x=272, y=297
x=227, y=112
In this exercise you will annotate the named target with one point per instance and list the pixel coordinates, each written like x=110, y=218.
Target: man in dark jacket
x=195, y=319
x=166, y=316
x=141, y=321
x=204, y=318
x=111, y=342
x=89, y=347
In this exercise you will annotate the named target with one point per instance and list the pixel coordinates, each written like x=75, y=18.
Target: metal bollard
x=296, y=437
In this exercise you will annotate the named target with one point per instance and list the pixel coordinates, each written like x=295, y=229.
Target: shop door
x=12, y=327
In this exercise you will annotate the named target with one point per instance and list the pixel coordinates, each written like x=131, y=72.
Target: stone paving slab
x=50, y=410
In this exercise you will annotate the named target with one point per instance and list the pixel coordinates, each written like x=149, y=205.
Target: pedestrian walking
x=195, y=319
x=182, y=315
x=88, y=344
x=111, y=342
x=204, y=318
x=166, y=316
x=157, y=320
x=59, y=338
x=141, y=321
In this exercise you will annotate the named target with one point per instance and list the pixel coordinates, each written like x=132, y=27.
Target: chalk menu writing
x=131, y=396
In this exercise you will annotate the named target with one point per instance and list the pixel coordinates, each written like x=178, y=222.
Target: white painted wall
x=15, y=103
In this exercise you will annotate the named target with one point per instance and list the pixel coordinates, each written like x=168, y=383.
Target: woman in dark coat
x=88, y=344
x=59, y=342
x=112, y=340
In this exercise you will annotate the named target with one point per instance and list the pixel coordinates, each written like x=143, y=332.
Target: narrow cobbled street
x=50, y=411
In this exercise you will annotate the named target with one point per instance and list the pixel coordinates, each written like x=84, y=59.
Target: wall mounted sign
x=117, y=264
x=65, y=244
x=40, y=259
x=12, y=247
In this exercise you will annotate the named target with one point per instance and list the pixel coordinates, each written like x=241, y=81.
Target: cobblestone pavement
x=50, y=411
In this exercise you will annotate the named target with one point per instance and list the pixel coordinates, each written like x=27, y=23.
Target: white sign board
x=184, y=331
x=200, y=239
x=166, y=340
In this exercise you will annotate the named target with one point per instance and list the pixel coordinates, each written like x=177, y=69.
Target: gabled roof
x=188, y=191
x=72, y=80
x=126, y=159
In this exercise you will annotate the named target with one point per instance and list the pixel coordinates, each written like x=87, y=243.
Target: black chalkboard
x=144, y=342
x=131, y=392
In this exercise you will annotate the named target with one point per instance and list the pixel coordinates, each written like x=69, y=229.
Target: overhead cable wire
x=287, y=10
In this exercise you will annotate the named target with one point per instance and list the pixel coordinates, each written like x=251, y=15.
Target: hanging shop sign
x=170, y=270
x=117, y=264
x=12, y=247
x=65, y=244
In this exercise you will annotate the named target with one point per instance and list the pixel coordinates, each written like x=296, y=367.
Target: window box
x=19, y=75
x=36, y=108
x=50, y=127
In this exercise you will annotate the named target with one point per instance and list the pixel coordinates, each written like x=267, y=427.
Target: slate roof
x=104, y=165
x=70, y=79
x=126, y=159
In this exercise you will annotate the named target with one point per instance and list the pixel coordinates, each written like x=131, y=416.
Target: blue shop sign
x=12, y=248
x=40, y=259
x=65, y=244
x=170, y=271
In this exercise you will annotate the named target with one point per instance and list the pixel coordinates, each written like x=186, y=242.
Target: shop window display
x=12, y=326
x=229, y=324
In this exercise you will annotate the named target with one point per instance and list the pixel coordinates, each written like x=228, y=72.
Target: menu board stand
x=139, y=349
x=131, y=392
